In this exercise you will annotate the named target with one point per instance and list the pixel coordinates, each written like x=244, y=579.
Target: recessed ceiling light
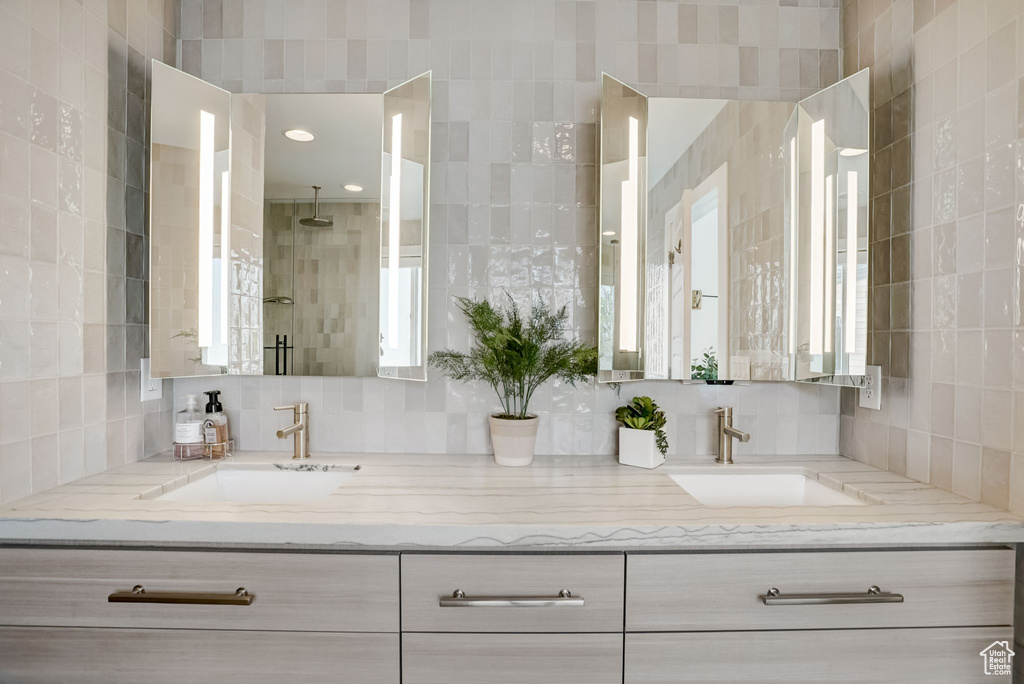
x=608, y=232
x=299, y=135
x=352, y=187
x=851, y=151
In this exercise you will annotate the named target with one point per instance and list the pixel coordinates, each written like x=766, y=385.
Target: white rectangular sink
x=267, y=485
x=746, y=488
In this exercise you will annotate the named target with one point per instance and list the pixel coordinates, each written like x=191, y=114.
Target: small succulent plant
x=643, y=414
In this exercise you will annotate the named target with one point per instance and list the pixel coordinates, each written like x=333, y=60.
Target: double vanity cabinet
x=872, y=616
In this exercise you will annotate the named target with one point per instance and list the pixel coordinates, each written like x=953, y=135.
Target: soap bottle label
x=188, y=433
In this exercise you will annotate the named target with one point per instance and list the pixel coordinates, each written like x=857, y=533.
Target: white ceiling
x=673, y=123
x=346, y=148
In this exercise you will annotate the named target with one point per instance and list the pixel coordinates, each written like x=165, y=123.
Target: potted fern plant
x=516, y=354
x=642, y=439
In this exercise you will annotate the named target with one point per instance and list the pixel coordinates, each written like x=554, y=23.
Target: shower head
x=315, y=221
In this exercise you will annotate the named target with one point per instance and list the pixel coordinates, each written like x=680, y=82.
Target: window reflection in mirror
x=190, y=227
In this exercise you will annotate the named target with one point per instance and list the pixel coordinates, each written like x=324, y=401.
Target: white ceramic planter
x=513, y=440
x=638, y=448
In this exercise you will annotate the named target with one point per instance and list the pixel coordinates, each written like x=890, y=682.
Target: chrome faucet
x=300, y=429
x=726, y=433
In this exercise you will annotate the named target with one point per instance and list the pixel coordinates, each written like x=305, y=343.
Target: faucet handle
x=299, y=407
x=724, y=411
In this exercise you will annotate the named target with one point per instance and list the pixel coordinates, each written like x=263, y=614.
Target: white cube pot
x=514, y=440
x=638, y=448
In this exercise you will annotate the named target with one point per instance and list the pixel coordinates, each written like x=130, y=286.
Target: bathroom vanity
x=423, y=569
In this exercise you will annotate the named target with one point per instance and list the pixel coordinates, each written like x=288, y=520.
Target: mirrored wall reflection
x=405, y=179
x=716, y=287
x=623, y=290
x=321, y=218
x=827, y=163
x=190, y=226
x=320, y=288
x=750, y=243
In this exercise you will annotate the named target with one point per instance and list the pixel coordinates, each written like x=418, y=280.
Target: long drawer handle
x=774, y=597
x=139, y=595
x=460, y=600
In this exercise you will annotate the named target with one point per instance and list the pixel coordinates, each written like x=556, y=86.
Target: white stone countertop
x=418, y=501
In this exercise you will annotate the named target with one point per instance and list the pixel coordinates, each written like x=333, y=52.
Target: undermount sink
x=267, y=485
x=746, y=488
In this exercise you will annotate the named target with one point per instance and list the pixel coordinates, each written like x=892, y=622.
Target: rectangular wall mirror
x=622, y=199
x=190, y=227
x=405, y=181
x=318, y=196
x=827, y=142
x=321, y=208
x=742, y=239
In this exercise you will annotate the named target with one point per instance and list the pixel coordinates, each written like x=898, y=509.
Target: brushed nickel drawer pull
x=138, y=594
x=460, y=600
x=774, y=597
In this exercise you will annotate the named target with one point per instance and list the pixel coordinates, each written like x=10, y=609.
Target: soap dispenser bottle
x=215, y=427
x=188, y=430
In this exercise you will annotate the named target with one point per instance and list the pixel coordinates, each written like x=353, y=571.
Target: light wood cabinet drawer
x=723, y=591
x=528, y=581
x=867, y=656
x=511, y=658
x=308, y=592
x=57, y=655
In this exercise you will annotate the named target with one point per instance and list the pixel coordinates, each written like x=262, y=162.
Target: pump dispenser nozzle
x=213, y=405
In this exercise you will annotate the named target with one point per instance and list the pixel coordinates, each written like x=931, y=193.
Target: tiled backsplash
x=516, y=102
x=946, y=259
x=73, y=99
x=371, y=414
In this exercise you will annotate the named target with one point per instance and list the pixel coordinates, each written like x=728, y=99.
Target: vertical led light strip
x=394, y=228
x=817, y=234
x=207, y=123
x=628, y=265
x=828, y=316
x=794, y=235
x=850, y=276
x=225, y=253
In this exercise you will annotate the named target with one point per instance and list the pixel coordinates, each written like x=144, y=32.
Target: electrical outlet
x=871, y=392
x=151, y=388
x=620, y=376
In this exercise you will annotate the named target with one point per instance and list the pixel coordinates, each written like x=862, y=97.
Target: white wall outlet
x=871, y=392
x=620, y=376
x=151, y=388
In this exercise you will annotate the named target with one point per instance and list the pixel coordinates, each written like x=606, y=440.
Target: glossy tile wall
x=332, y=274
x=73, y=93
x=946, y=263
x=516, y=96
